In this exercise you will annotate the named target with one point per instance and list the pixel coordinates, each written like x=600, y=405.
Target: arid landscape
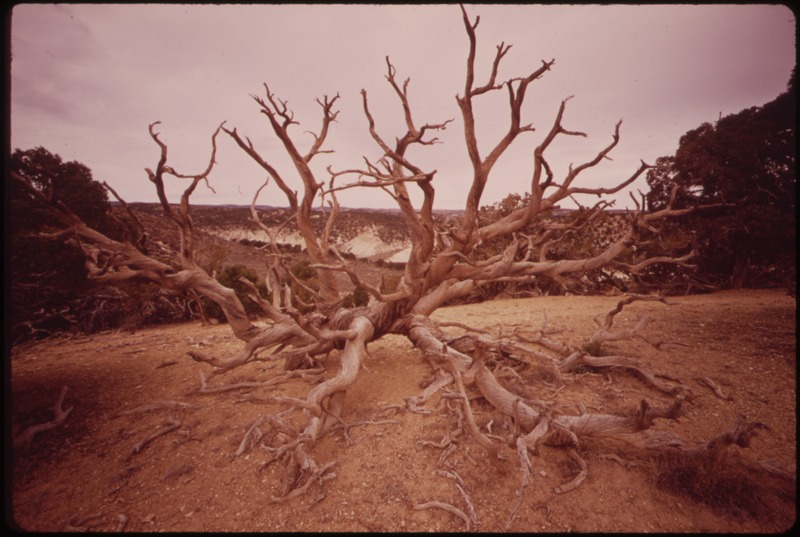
x=102, y=468
x=539, y=333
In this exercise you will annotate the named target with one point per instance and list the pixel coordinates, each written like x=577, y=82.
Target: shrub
x=303, y=272
x=302, y=269
x=229, y=276
x=360, y=297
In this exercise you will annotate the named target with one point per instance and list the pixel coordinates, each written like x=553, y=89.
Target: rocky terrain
x=367, y=234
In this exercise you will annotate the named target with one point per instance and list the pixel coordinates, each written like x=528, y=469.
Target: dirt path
x=191, y=480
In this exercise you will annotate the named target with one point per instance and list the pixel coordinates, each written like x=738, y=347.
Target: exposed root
x=428, y=337
x=122, y=520
x=79, y=525
x=277, y=335
x=499, y=371
x=312, y=375
x=449, y=450
x=540, y=337
x=531, y=419
x=578, y=479
x=176, y=471
x=502, y=346
x=602, y=336
x=616, y=458
x=446, y=506
x=448, y=441
x=604, y=333
x=608, y=321
x=526, y=469
x=502, y=399
x=25, y=438
x=158, y=405
x=716, y=389
x=619, y=427
x=463, y=326
x=278, y=400
x=251, y=437
x=472, y=427
x=532, y=439
x=415, y=404
x=324, y=407
x=318, y=476
x=581, y=359
x=169, y=426
x=722, y=478
x=350, y=364
x=390, y=409
x=462, y=489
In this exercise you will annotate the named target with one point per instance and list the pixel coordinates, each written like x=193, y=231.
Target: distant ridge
x=392, y=210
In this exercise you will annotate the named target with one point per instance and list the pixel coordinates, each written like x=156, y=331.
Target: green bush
x=48, y=276
x=302, y=269
x=230, y=276
x=360, y=297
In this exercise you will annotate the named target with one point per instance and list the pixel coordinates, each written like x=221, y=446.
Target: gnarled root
x=74, y=524
x=619, y=427
x=578, y=479
x=25, y=438
x=277, y=335
x=328, y=396
x=300, y=473
x=717, y=474
x=580, y=359
x=565, y=430
x=169, y=426
x=446, y=506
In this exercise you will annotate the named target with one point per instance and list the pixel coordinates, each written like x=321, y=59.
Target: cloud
x=88, y=79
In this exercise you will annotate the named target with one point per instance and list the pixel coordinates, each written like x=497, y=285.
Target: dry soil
x=85, y=473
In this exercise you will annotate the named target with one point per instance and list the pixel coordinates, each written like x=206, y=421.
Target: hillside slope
x=367, y=234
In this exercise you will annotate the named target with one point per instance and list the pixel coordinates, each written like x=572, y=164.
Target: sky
x=87, y=80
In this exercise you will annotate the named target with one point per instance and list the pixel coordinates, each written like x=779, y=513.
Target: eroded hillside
x=368, y=234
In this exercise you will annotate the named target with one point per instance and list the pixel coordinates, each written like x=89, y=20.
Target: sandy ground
x=87, y=473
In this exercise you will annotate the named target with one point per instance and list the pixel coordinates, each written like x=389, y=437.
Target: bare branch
x=328, y=115
x=291, y=195
x=140, y=242
x=639, y=267
x=359, y=283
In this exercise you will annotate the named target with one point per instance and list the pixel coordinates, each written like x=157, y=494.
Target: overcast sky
x=86, y=80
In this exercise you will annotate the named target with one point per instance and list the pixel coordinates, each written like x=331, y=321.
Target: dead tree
x=442, y=266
